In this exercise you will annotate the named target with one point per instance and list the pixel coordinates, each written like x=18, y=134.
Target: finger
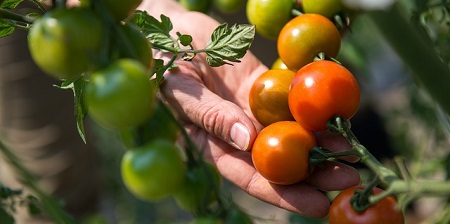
x=197, y=104
x=332, y=176
x=237, y=167
x=336, y=143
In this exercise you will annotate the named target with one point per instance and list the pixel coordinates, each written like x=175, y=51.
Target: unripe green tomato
x=327, y=8
x=198, y=187
x=197, y=5
x=66, y=42
x=153, y=171
x=269, y=16
x=120, y=9
x=136, y=47
x=120, y=95
x=229, y=6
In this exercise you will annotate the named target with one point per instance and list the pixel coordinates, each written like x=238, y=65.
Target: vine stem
x=49, y=204
x=5, y=14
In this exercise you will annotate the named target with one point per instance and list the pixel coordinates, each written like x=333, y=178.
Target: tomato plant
x=71, y=37
x=120, y=95
x=269, y=96
x=384, y=211
x=304, y=37
x=327, y=8
x=269, y=16
x=197, y=191
x=320, y=91
x=153, y=171
x=120, y=10
x=280, y=152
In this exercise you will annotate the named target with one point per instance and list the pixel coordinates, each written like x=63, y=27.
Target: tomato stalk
x=6, y=14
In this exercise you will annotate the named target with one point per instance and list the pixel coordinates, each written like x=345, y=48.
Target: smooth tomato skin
x=278, y=64
x=66, y=42
x=120, y=95
x=327, y=8
x=321, y=90
x=138, y=47
x=269, y=16
x=120, y=9
x=153, y=171
x=280, y=152
x=197, y=5
x=269, y=96
x=159, y=126
x=197, y=188
x=304, y=37
x=229, y=6
x=385, y=211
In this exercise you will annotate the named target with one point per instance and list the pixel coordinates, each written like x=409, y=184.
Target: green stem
x=49, y=204
x=6, y=14
x=416, y=51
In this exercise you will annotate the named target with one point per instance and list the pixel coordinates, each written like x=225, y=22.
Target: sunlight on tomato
x=280, y=152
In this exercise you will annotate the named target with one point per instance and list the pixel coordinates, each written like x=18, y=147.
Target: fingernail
x=240, y=136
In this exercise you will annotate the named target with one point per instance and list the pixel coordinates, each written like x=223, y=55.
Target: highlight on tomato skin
x=268, y=97
x=320, y=91
x=280, y=152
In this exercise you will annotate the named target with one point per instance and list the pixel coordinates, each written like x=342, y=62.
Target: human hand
x=213, y=105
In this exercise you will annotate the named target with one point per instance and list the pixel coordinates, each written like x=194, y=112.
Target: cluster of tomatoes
x=304, y=90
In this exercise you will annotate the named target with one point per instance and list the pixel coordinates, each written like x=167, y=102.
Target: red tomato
x=385, y=211
x=304, y=37
x=269, y=96
x=320, y=91
x=281, y=152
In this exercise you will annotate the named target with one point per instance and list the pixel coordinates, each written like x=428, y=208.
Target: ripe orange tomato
x=269, y=96
x=281, y=152
x=385, y=211
x=304, y=37
x=321, y=90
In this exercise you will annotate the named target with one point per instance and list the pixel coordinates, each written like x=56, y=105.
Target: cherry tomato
x=197, y=190
x=278, y=64
x=197, y=5
x=159, y=126
x=120, y=95
x=229, y=6
x=269, y=96
x=327, y=8
x=120, y=9
x=66, y=42
x=320, y=91
x=153, y=171
x=269, y=16
x=280, y=152
x=304, y=37
x=385, y=211
x=135, y=45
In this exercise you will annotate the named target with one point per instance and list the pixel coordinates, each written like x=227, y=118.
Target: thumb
x=194, y=102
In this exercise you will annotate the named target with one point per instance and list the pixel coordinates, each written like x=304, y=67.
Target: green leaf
x=229, y=45
x=77, y=86
x=158, y=33
x=5, y=28
x=10, y=4
x=185, y=40
x=5, y=217
x=33, y=205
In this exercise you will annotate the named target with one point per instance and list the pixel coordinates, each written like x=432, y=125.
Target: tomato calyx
x=318, y=155
x=361, y=199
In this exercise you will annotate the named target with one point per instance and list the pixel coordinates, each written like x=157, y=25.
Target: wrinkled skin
x=210, y=100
